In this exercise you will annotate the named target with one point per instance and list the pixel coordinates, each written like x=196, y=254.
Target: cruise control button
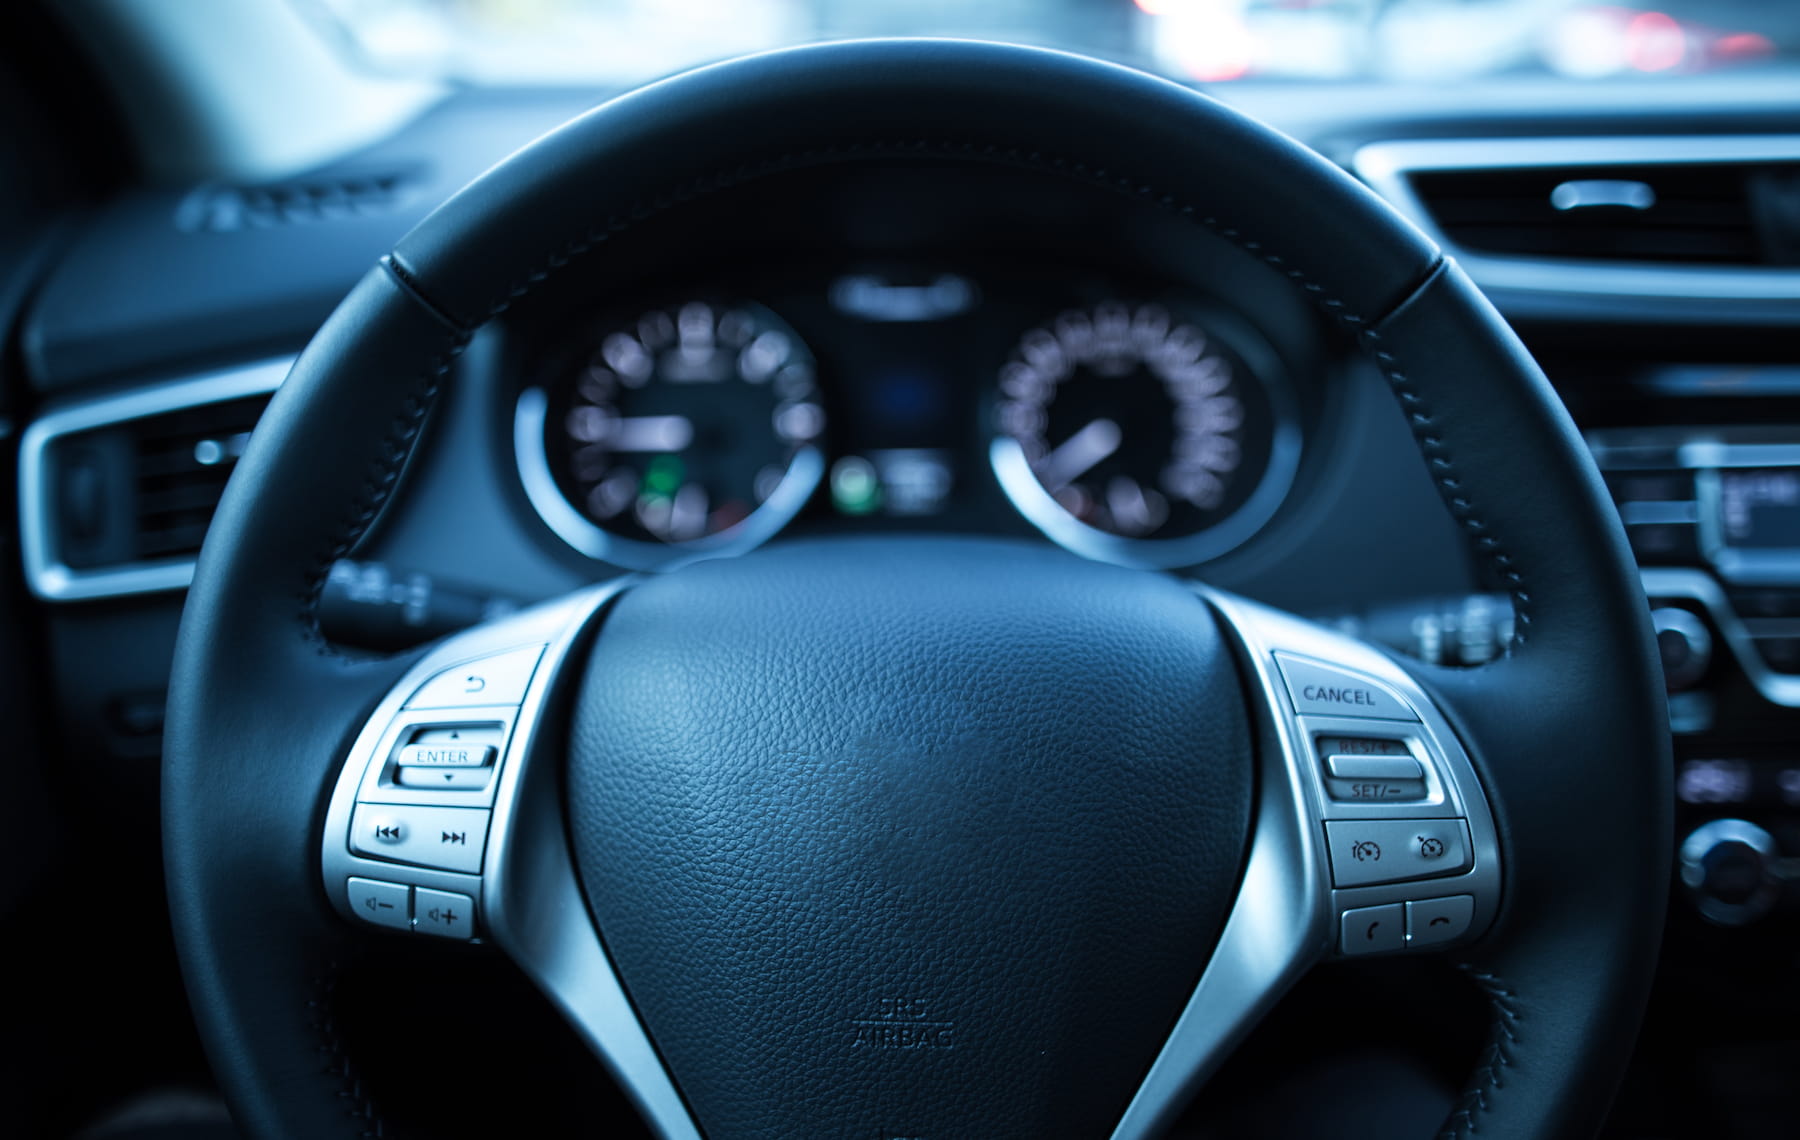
x=1432, y=921
x=1374, y=779
x=444, y=913
x=496, y=680
x=384, y=904
x=1319, y=689
x=448, y=838
x=1372, y=929
x=1375, y=791
x=1374, y=767
x=1390, y=850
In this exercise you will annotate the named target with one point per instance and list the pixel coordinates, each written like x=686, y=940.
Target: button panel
x=448, y=838
x=1390, y=811
x=1364, y=852
x=423, y=796
x=439, y=758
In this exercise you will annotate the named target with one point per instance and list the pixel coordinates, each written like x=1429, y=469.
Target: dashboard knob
x=1728, y=867
x=1685, y=644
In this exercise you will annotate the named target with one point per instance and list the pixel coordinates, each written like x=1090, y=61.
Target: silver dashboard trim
x=1386, y=167
x=45, y=572
x=1699, y=587
x=570, y=525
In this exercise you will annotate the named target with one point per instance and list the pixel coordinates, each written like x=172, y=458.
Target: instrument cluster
x=1139, y=425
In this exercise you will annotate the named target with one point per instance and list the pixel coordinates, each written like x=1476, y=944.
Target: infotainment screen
x=1759, y=508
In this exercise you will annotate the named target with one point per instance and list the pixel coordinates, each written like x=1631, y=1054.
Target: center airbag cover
x=929, y=838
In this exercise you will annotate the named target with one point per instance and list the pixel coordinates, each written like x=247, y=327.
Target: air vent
x=117, y=494
x=223, y=209
x=1715, y=217
x=1703, y=213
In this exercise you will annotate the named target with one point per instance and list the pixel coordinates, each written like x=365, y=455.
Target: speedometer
x=1130, y=434
x=686, y=430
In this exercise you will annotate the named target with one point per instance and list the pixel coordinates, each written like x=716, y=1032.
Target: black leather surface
x=261, y=715
x=909, y=838
x=937, y=99
x=1567, y=730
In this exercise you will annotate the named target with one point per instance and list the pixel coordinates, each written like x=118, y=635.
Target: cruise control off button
x=1319, y=689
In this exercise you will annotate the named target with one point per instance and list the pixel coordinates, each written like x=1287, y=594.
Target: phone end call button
x=1431, y=921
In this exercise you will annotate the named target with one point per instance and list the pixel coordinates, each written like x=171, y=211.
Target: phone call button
x=1372, y=929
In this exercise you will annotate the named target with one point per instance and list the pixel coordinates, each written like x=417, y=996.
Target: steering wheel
x=917, y=837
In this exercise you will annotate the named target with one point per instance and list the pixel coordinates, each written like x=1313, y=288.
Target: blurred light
x=915, y=481
x=855, y=490
x=1438, y=42
x=1742, y=46
x=1210, y=40
x=1654, y=41
x=1713, y=782
x=1587, y=43
x=664, y=475
x=874, y=298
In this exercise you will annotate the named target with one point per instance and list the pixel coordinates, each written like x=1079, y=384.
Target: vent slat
x=181, y=464
x=326, y=198
x=145, y=489
x=1702, y=213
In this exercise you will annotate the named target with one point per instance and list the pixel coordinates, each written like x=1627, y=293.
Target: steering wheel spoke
x=1372, y=836
x=446, y=821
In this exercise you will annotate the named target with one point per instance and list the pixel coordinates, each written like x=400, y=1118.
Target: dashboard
x=1048, y=366
x=1138, y=424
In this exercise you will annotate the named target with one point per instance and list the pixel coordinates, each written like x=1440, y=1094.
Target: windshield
x=1215, y=41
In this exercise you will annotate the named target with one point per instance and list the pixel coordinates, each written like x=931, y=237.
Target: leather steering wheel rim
x=1568, y=730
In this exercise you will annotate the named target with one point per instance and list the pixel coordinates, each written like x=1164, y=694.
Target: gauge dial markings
x=1137, y=427
x=671, y=429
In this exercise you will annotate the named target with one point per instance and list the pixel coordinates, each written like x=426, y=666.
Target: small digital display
x=1759, y=508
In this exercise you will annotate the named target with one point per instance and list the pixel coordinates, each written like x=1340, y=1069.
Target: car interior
x=850, y=568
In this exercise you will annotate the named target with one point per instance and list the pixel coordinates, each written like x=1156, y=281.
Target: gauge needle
x=1076, y=456
x=650, y=433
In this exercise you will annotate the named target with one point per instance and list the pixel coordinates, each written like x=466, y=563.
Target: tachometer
x=691, y=429
x=1129, y=434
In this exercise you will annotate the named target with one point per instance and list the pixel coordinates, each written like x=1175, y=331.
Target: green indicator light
x=663, y=476
x=855, y=489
